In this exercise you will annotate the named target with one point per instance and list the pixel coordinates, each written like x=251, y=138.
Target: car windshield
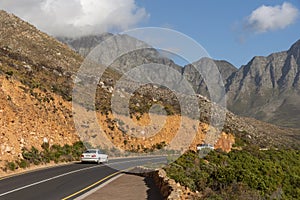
x=205, y=145
x=90, y=151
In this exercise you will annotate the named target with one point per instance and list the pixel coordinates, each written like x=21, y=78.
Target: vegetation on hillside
x=240, y=174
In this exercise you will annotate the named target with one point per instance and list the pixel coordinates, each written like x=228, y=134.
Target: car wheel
x=98, y=161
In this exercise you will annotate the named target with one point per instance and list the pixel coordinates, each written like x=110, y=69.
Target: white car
x=205, y=146
x=94, y=155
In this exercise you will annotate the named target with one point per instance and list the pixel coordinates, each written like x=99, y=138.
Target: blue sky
x=219, y=26
x=232, y=30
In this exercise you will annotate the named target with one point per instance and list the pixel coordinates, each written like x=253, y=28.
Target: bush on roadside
x=33, y=155
x=23, y=163
x=11, y=166
x=268, y=174
x=48, y=153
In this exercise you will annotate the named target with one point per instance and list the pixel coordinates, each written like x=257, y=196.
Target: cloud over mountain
x=77, y=17
x=269, y=18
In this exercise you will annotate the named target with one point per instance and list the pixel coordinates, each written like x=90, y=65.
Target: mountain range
x=266, y=88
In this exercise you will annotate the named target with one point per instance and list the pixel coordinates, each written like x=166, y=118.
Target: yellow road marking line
x=96, y=183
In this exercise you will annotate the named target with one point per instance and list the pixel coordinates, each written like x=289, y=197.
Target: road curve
x=67, y=181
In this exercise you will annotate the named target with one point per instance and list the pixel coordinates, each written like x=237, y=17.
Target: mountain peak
x=295, y=48
x=6, y=14
x=296, y=45
x=295, y=51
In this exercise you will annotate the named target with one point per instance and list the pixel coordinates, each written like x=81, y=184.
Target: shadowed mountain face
x=219, y=70
x=85, y=44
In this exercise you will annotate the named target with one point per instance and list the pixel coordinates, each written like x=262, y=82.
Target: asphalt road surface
x=67, y=181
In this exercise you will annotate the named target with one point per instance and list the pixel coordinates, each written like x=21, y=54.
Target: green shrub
x=33, y=156
x=11, y=166
x=23, y=163
x=45, y=145
x=160, y=145
x=78, y=148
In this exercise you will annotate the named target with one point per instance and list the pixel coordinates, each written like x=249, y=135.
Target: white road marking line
x=45, y=180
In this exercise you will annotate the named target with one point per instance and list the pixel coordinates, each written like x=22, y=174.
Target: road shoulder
x=127, y=187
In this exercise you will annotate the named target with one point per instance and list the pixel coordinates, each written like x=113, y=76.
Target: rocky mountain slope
x=35, y=83
x=36, y=58
x=29, y=117
x=267, y=88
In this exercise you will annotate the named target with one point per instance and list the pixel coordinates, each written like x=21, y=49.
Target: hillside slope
x=35, y=58
x=28, y=117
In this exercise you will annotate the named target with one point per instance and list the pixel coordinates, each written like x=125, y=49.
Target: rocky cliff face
x=267, y=88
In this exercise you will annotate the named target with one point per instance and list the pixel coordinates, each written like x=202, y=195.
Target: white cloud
x=269, y=18
x=77, y=17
